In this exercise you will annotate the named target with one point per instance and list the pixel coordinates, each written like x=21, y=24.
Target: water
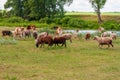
x=90, y=31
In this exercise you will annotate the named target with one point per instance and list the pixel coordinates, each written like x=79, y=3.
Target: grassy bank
x=81, y=60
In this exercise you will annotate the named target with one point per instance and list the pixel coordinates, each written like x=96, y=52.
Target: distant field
x=93, y=17
x=92, y=13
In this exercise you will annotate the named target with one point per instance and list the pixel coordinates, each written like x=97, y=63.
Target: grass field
x=81, y=60
x=93, y=13
x=93, y=17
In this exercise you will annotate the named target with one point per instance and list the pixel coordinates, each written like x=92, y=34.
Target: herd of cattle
x=59, y=38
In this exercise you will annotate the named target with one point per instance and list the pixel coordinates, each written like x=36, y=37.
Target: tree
x=16, y=5
x=37, y=9
x=97, y=5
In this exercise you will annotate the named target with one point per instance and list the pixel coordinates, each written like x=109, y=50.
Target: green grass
x=92, y=13
x=81, y=60
x=92, y=16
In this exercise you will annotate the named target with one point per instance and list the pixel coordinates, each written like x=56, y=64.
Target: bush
x=92, y=25
x=110, y=25
x=46, y=20
x=65, y=21
x=15, y=20
x=75, y=22
x=58, y=21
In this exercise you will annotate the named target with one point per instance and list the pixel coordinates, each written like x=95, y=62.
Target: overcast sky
x=84, y=6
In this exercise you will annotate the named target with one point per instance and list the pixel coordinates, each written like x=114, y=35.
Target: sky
x=84, y=6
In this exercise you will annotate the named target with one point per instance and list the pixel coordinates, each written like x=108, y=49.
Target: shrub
x=65, y=21
x=15, y=20
x=58, y=21
x=46, y=20
x=110, y=25
x=75, y=22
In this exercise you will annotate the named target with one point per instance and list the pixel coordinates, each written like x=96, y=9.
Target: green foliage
x=65, y=21
x=92, y=24
x=10, y=78
x=75, y=22
x=15, y=20
x=46, y=20
x=37, y=9
x=57, y=21
x=97, y=5
x=79, y=23
x=111, y=25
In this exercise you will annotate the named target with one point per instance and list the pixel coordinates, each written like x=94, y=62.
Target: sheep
x=100, y=29
x=18, y=32
x=59, y=40
x=87, y=36
x=67, y=36
x=104, y=41
x=75, y=34
x=113, y=35
x=26, y=33
x=58, y=31
x=44, y=40
x=35, y=34
x=105, y=34
x=31, y=27
x=6, y=33
x=43, y=34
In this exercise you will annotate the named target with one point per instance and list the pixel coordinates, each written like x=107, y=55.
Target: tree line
x=37, y=9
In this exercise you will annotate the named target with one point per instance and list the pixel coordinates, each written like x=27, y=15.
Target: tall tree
x=16, y=6
x=37, y=9
x=97, y=5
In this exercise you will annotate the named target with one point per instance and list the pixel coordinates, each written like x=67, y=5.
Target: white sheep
x=113, y=35
x=67, y=36
x=104, y=41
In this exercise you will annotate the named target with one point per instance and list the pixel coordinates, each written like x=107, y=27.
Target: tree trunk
x=99, y=17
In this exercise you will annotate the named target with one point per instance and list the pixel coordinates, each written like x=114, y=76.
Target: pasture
x=92, y=16
x=80, y=60
x=92, y=13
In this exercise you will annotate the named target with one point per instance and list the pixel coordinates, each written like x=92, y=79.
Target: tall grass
x=4, y=41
